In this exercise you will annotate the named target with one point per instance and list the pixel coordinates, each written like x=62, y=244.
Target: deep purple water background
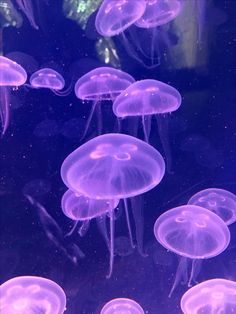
x=31, y=151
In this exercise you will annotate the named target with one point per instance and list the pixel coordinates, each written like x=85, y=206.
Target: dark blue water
x=45, y=128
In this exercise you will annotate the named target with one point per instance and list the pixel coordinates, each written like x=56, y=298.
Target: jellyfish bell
x=47, y=78
x=219, y=201
x=191, y=232
x=211, y=296
x=80, y=207
x=101, y=84
x=122, y=305
x=147, y=98
x=114, y=16
x=11, y=75
x=30, y=294
x=111, y=166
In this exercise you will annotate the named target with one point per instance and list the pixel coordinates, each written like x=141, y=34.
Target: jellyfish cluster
x=109, y=174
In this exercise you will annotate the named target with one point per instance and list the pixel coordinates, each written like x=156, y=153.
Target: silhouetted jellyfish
x=147, y=98
x=12, y=76
x=113, y=166
x=101, y=84
x=219, y=201
x=47, y=128
x=30, y=294
x=48, y=78
x=210, y=297
x=138, y=24
x=37, y=187
x=122, y=305
x=192, y=232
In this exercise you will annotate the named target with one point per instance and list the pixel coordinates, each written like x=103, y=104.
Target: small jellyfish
x=145, y=99
x=192, y=232
x=101, y=84
x=111, y=166
x=137, y=23
x=12, y=76
x=30, y=294
x=122, y=305
x=210, y=297
x=50, y=79
x=219, y=201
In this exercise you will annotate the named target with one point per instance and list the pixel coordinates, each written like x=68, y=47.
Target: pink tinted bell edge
x=122, y=305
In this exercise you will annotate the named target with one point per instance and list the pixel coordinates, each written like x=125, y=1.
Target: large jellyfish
x=113, y=166
x=101, y=84
x=122, y=305
x=145, y=99
x=12, y=75
x=212, y=296
x=30, y=294
x=219, y=201
x=192, y=232
x=141, y=18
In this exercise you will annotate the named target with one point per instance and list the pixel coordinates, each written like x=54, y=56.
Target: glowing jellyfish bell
x=31, y=295
x=219, y=201
x=12, y=75
x=113, y=166
x=192, y=232
x=122, y=305
x=148, y=98
x=101, y=84
x=50, y=79
x=210, y=296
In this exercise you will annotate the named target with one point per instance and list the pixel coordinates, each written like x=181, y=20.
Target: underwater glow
x=219, y=201
x=47, y=78
x=122, y=306
x=29, y=294
x=214, y=296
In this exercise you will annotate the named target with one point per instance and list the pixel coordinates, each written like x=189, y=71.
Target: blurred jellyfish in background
x=210, y=296
x=148, y=98
x=219, y=201
x=33, y=191
x=31, y=295
x=12, y=75
x=107, y=52
x=9, y=16
x=122, y=305
x=137, y=22
x=195, y=234
x=114, y=166
x=26, y=6
x=99, y=85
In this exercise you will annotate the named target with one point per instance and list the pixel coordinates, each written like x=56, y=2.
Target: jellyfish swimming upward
x=122, y=305
x=12, y=75
x=100, y=85
x=113, y=166
x=191, y=232
x=30, y=294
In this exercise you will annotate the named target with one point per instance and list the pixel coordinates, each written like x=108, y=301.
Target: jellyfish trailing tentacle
x=112, y=231
x=89, y=120
x=128, y=223
x=4, y=108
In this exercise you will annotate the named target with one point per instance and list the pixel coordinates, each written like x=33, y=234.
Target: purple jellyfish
x=122, y=305
x=140, y=18
x=111, y=166
x=147, y=98
x=210, y=296
x=12, y=76
x=192, y=232
x=219, y=201
x=101, y=84
x=48, y=78
x=81, y=208
x=31, y=295
x=27, y=7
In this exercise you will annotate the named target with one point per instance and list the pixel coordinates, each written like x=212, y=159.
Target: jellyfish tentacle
x=112, y=232
x=128, y=223
x=89, y=120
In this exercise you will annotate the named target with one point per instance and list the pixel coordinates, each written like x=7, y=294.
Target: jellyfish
x=122, y=305
x=146, y=98
x=191, y=232
x=219, y=201
x=137, y=22
x=31, y=294
x=50, y=79
x=211, y=297
x=113, y=166
x=101, y=84
x=27, y=7
x=12, y=76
